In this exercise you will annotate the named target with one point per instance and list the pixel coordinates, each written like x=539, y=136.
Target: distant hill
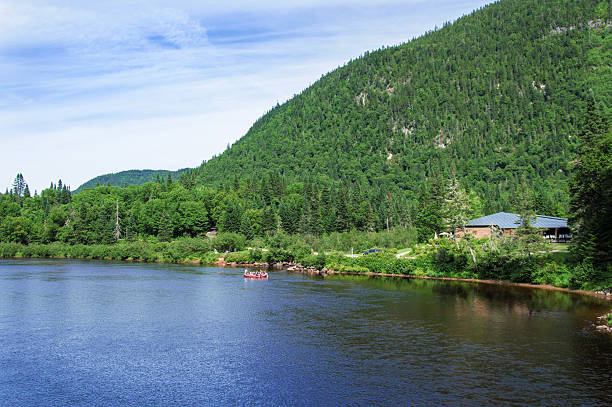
x=495, y=97
x=130, y=177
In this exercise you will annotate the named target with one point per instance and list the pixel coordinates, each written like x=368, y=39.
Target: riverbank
x=552, y=271
x=313, y=271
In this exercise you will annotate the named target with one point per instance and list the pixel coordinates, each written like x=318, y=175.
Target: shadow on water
x=513, y=298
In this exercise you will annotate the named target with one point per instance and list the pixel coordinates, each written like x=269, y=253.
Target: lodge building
x=553, y=229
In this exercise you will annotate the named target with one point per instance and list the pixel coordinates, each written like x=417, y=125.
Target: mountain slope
x=494, y=98
x=130, y=177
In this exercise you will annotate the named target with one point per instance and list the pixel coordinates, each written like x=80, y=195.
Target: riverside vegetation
x=506, y=109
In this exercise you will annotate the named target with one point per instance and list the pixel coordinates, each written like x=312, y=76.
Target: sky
x=93, y=87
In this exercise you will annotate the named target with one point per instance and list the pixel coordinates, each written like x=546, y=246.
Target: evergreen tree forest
x=496, y=98
x=166, y=209
x=130, y=177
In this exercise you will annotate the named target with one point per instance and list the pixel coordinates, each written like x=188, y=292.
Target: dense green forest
x=496, y=97
x=130, y=177
x=506, y=109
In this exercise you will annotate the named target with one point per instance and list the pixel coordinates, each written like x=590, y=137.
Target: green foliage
x=591, y=190
x=495, y=97
x=317, y=261
x=528, y=239
x=179, y=250
x=553, y=273
x=390, y=149
x=228, y=242
x=277, y=255
x=133, y=177
x=602, y=11
x=239, y=257
x=16, y=229
x=345, y=268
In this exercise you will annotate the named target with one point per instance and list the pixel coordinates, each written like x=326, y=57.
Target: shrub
x=278, y=256
x=583, y=273
x=313, y=260
x=552, y=273
x=256, y=255
x=225, y=242
x=239, y=257
x=345, y=268
x=210, y=258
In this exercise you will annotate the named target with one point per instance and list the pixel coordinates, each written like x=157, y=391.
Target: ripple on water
x=104, y=333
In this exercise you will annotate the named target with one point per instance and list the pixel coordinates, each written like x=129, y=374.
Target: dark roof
x=506, y=220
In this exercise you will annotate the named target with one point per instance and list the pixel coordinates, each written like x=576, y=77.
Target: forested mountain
x=485, y=113
x=130, y=177
x=495, y=98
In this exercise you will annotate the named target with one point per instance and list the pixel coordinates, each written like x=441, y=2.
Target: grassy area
x=559, y=246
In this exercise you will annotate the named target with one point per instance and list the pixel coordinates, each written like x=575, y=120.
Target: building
x=553, y=229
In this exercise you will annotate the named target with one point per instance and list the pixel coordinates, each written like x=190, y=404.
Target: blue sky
x=88, y=88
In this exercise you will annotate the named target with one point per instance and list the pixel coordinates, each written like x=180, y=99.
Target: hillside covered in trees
x=130, y=177
x=495, y=101
x=496, y=98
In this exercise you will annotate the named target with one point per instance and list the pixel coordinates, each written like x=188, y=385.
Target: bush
x=278, y=256
x=300, y=251
x=583, y=274
x=256, y=255
x=239, y=257
x=210, y=258
x=552, y=273
x=228, y=242
x=314, y=260
x=345, y=268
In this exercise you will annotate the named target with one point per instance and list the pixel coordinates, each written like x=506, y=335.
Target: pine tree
x=165, y=229
x=429, y=217
x=269, y=223
x=246, y=227
x=232, y=217
x=456, y=206
x=19, y=185
x=591, y=190
x=117, y=231
x=528, y=238
x=455, y=211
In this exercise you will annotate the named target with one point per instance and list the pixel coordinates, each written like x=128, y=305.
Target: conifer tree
x=246, y=227
x=165, y=228
x=528, y=238
x=429, y=217
x=19, y=185
x=591, y=190
x=269, y=223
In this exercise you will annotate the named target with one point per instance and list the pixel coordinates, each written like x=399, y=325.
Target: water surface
x=105, y=333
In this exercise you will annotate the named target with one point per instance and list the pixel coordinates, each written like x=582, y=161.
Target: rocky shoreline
x=603, y=323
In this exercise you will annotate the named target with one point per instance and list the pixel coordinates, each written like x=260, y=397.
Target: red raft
x=255, y=274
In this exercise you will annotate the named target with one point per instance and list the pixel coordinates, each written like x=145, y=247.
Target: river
x=109, y=333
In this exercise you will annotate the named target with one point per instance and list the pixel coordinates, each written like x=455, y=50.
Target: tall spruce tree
x=19, y=185
x=591, y=190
